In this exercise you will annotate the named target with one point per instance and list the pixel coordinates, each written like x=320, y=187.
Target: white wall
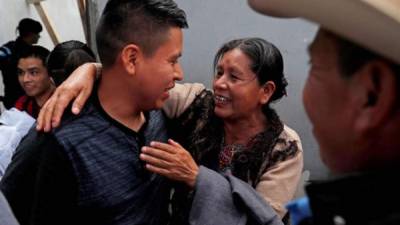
x=64, y=15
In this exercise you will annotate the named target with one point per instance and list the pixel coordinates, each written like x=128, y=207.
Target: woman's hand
x=78, y=86
x=170, y=160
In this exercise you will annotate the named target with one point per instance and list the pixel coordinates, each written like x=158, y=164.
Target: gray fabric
x=6, y=216
x=220, y=200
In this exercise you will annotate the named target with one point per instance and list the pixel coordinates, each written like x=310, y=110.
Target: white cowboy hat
x=373, y=24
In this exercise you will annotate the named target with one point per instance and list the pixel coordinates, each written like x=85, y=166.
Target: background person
x=14, y=124
x=34, y=79
x=29, y=31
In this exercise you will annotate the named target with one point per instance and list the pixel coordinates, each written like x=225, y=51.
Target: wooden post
x=45, y=19
x=82, y=11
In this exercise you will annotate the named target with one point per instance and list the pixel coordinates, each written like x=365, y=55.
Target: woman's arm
x=278, y=184
x=180, y=98
x=76, y=88
x=79, y=85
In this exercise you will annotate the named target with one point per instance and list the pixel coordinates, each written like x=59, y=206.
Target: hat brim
x=373, y=24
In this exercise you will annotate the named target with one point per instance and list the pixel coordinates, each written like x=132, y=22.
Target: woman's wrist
x=191, y=182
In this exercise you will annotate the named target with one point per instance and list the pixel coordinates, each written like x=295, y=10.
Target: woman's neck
x=241, y=131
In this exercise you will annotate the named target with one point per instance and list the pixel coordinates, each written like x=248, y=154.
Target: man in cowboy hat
x=352, y=97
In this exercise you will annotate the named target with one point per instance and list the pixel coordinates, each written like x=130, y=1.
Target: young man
x=352, y=99
x=28, y=30
x=88, y=171
x=34, y=80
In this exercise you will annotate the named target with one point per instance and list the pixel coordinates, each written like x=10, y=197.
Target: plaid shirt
x=88, y=172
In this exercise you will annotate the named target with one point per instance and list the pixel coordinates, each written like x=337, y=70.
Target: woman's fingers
x=164, y=146
x=170, y=160
x=157, y=155
x=80, y=100
x=44, y=120
x=174, y=143
x=158, y=170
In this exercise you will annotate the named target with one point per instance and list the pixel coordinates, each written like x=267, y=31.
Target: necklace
x=226, y=154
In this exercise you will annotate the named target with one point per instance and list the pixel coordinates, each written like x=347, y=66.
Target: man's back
x=88, y=171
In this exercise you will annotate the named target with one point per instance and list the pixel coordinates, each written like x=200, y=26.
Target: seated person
x=34, y=80
x=29, y=34
x=14, y=124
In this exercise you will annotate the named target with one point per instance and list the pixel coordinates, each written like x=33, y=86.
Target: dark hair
x=66, y=57
x=352, y=57
x=143, y=22
x=267, y=62
x=28, y=25
x=35, y=51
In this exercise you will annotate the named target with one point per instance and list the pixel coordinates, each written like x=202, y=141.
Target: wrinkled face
x=157, y=73
x=327, y=100
x=33, y=76
x=237, y=91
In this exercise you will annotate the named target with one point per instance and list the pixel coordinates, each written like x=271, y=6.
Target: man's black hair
x=35, y=51
x=28, y=25
x=142, y=22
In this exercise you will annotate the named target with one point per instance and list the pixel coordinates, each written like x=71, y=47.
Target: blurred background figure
x=34, y=80
x=28, y=30
x=14, y=124
x=66, y=57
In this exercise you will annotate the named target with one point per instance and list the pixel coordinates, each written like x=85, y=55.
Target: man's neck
x=118, y=102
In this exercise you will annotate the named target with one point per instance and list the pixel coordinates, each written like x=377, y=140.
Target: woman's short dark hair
x=28, y=25
x=66, y=57
x=142, y=22
x=267, y=62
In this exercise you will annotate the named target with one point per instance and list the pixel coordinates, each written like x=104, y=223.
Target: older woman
x=230, y=130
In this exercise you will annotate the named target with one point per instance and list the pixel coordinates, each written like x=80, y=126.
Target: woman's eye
x=234, y=77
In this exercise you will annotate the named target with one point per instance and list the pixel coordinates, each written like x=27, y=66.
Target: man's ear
x=267, y=90
x=129, y=56
x=376, y=87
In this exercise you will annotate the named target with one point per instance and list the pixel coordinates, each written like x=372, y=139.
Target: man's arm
x=39, y=183
x=56, y=189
